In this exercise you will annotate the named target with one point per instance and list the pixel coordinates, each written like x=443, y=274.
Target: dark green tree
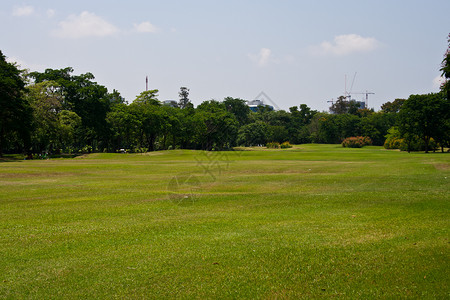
x=86, y=98
x=344, y=106
x=15, y=111
x=253, y=134
x=445, y=69
x=216, y=128
x=238, y=108
x=300, y=119
x=148, y=112
x=184, y=97
x=424, y=116
x=124, y=126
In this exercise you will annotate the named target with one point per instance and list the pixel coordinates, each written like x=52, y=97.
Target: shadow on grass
x=21, y=157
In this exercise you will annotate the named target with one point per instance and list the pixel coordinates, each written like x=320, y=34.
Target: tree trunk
x=2, y=134
x=427, y=141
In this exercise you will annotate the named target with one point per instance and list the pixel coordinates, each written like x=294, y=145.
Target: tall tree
x=184, y=97
x=424, y=116
x=46, y=100
x=148, y=111
x=86, y=98
x=148, y=97
x=444, y=136
x=445, y=69
x=124, y=127
x=342, y=106
x=237, y=107
x=15, y=111
x=216, y=128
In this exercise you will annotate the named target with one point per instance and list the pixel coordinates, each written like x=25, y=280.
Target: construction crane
x=349, y=94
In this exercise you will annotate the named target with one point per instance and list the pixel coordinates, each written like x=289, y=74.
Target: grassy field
x=312, y=221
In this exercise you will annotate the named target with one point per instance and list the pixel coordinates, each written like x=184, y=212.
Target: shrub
x=393, y=139
x=273, y=145
x=285, y=145
x=394, y=143
x=357, y=142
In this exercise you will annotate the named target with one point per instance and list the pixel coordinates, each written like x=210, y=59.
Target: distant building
x=171, y=103
x=253, y=105
x=361, y=104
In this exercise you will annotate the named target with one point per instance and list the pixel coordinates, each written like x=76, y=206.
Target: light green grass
x=315, y=221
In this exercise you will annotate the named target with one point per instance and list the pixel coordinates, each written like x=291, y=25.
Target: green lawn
x=312, y=221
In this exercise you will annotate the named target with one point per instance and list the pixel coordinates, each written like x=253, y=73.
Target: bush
x=276, y=145
x=357, y=142
x=273, y=145
x=394, y=143
x=285, y=145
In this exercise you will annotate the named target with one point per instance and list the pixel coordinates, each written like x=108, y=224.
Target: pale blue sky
x=295, y=51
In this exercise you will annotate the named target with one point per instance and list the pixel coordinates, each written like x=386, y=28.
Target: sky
x=294, y=51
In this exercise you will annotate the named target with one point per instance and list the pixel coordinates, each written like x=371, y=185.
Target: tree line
x=55, y=111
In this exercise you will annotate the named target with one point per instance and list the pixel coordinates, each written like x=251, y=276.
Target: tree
x=173, y=127
x=46, y=101
x=148, y=97
x=392, y=107
x=115, y=98
x=124, y=126
x=86, y=98
x=424, y=116
x=376, y=126
x=277, y=133
x=306, y=114
x=444, y=136
x=15, y=111
x=445, y=69
x=69, y=126
x=148, y=112
x=184, y=97
x=342, y=106
x=298, y=131
x=215, y=127
x=238, y=108
x=253, y=134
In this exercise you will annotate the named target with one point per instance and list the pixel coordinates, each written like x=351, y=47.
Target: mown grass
x=315, y=221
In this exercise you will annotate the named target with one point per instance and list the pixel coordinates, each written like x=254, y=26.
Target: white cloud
x=262, y=58
x=23, y=11
x=346, y=44
x=438, y=81
x=50, y=12
x=85, y=25
x=145, y=27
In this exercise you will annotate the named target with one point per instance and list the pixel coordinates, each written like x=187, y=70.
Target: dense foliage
x=61, y=112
